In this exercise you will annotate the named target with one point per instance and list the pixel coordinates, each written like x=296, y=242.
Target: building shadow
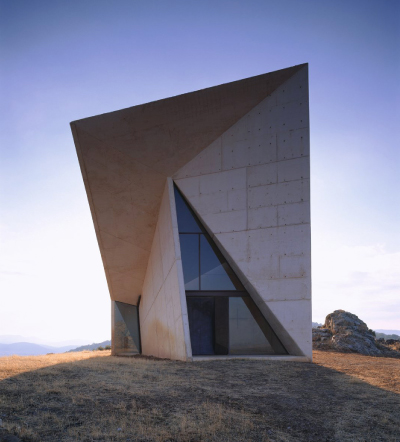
x=128, y=399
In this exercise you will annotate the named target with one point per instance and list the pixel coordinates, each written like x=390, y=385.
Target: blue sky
x=62, y=61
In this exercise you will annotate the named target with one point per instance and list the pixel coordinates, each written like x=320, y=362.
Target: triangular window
x=204, y=267
x=126, y=335
x=223, y=319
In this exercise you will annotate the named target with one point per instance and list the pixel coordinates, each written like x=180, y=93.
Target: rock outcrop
x=346, y=332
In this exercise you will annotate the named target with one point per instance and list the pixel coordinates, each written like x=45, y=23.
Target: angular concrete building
x=201, y=206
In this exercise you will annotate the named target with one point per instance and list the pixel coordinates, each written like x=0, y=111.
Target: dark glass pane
x=190, y=260
x=245, y=334
x=126, y=329
x=186, y=221
x=201, y=325
x=216, y=273
x=221, y=325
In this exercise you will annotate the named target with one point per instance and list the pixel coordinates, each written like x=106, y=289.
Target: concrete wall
x=251, y=189
x=163, y=316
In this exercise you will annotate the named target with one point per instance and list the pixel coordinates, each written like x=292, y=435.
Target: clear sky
x=66, y=60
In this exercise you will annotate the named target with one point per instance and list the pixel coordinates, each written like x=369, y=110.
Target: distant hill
x=386, y=337
x=29, y=349
x=316, y=324
x=388, y=332
x=91, y=346
x=14, y=339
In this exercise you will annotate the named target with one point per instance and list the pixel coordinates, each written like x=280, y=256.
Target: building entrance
x=223, y=319
x=201, y=320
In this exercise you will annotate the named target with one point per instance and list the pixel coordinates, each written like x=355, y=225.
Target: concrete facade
x=239, y=153
x=251, y=189
x=163, y=315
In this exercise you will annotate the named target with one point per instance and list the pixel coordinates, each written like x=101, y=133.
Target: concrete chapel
x=201, y=207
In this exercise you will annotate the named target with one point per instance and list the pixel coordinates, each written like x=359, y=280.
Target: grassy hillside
x=91, y=396
x=94, y=346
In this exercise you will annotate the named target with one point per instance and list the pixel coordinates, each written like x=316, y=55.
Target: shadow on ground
x=120, y=399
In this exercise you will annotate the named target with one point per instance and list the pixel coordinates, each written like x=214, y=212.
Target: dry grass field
x=91, y=396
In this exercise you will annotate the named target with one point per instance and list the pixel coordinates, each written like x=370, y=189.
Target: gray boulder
x=346, y=332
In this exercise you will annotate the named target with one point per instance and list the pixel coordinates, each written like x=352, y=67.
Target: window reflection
x=204, y=267
x=190, y=260
x=187, y=223
x=245, y=335
x=215, y=271
x=126, y=339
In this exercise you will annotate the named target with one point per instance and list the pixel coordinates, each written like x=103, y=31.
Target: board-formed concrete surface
x=239, y=152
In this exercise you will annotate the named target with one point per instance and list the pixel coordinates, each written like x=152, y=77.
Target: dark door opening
x=209, y=325
x=201, y=320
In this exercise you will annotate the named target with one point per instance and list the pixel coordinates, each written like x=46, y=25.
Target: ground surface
x=91, y=396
